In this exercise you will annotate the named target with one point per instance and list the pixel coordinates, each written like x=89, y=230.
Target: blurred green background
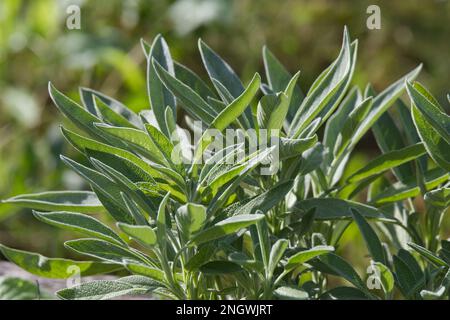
x=36, y=47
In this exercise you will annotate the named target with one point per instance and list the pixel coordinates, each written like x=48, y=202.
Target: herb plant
x=220, y=229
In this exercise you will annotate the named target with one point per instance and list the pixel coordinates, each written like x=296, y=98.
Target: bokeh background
x=36, y=46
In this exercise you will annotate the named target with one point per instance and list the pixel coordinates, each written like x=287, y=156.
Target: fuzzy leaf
x=159, y=96
x=438, y=148
x=80, y=223
x=225, y=227
x=80, y=201
x=108, y=289
x=104, y=251
x=387, y=161
x=289, y=293
x=142, y=234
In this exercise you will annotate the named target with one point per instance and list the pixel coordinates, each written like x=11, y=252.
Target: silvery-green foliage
x=214, y=229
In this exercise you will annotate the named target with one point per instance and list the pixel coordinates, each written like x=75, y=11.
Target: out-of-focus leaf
x=54, y=268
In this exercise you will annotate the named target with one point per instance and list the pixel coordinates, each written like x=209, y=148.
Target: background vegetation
x=36, y=46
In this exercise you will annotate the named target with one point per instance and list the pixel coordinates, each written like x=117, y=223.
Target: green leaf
x=371, y=239
x=108, y=289
x=306, y=255
x=162, y=143
x=104, y=250
x=263, y=202
x=412, y=264
x=312, y=159
x=142, y=234
x=127, y=168
x=134, y=210
x=437, y=147
x=387, y=161
x=103, y=186
x=385, y=276
x=76, y=113
x=159, y=96
x=336, y=122
x=187, y=76
x=220, y=267
x=127, y=186
x=404, y=276
x=80, y=223
x=153, y=273
x=273, y=108
x=161, y=226
x=381, y=103
x=294, y=147
x=278, y=79
x=137, y=139
x=342, y=268
x=219, y=70
x=290, y=293
x=344, y=293
x=433, y=295
x=13, y=288
x=276, y=253
x=225, y=227
x=224, y=79
x=235, y=109
x=430, y=109
x=54, y=268
x=400, y=191
x=326, y=92
x=110, y=116
x=203, y=255
x=439, y=198
x=191, y=101
x=272, y=111
x=389, y=138
x=116, y=108
x=352, y=121
x=81, y=201
x=332, y=208
x=191, y=217
x=156, y=171
x=427, y=254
